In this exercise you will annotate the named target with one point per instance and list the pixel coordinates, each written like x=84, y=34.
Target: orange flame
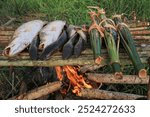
x=59, y=71
x=77, y=81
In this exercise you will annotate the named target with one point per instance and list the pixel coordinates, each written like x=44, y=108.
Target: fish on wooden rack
x=76, y=43
x=69, y=46
x=52, y=37
x=25, y=35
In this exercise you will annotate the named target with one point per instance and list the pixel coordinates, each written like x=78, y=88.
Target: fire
x=59, y=71
x=76, y=80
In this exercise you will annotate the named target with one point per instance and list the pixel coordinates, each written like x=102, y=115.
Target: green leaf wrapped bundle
x=128, y=43
x=112, y=42
x=96, y=36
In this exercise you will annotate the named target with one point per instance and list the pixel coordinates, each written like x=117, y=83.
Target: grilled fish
x=69, y=46
x=50, y=33
x=23, y=36
x=53, y=36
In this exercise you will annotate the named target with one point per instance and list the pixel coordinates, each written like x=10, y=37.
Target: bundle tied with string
x=112, y=42
x=128, y=43
x=96, y=35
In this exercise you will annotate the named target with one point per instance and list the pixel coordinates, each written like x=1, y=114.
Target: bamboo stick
x=52, y=62
x=110, y=78
x=6, y=33
x=141, y=37
x=128, y=43
x=8, y=28
x=140, y=28
x=39, y=92
x=138, y=24
x=148, y=92
x=108, y=95
x=143, y=32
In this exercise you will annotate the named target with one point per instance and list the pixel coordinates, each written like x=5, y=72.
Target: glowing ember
x=77, y=81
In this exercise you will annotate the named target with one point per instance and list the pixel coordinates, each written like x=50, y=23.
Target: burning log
x=108, y=95
x=109, y=78
x=39, y=92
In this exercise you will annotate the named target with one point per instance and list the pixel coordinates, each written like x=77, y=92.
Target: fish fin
x=54, y=46
x=78, y=47
x=69, y=46
x=33, y=48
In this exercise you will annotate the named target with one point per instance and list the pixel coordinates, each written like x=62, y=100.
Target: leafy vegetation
x=74, y=11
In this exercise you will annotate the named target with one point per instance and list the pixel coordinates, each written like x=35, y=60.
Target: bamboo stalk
x=111, y=42
x=39, y=92
x=108, y=95
x=128, y=43
x=96, y=36
x=148, y=92
x=110, y=78
x=139, y=32
x=52, y=62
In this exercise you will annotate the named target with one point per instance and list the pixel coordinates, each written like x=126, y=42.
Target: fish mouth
x=6, y=52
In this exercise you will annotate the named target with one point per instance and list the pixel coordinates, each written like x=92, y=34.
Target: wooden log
x=39, y=92
x=108, y=95
x=110, y=78
x=89, y=68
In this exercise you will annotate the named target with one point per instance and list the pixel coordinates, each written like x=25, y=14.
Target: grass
x=76, y=12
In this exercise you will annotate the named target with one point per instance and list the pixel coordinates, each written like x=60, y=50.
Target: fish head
x=13, y=49
x=71, y=30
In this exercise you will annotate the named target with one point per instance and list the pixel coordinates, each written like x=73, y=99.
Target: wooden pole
x=39, y=92
x=110, y=78
x=108, y=95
